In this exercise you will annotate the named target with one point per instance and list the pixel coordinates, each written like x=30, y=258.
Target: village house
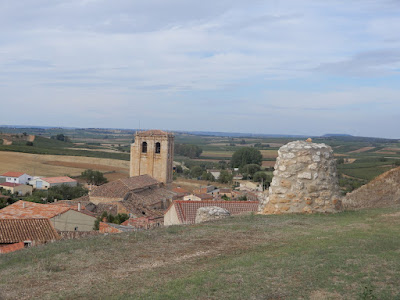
x=180, y=193
x=114, y=228
x=250, y=186
x=16, y=177
x=17, y=188
x=184, y=212
x=215, y=173
x=198, y=197
x=137, y=196
x=16, y=234
x=63, y=218
x=48, y=182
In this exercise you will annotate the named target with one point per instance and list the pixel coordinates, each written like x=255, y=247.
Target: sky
x=305, y=67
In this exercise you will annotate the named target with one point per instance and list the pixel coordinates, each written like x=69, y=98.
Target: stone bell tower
x=153, y=154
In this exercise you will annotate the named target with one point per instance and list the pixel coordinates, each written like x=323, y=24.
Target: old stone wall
x=305, y=180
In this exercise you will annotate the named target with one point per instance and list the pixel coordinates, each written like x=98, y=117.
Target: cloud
x=115, y=61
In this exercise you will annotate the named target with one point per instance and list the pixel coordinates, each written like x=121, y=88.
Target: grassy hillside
x=350, y=255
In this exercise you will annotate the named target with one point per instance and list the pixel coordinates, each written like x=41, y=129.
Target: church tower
x=153, y=154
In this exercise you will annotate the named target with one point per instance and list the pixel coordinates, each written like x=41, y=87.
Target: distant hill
x=335, y=135
x=383, y=191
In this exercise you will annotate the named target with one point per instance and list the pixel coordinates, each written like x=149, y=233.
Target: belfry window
x=158, y=147
x=144, y=147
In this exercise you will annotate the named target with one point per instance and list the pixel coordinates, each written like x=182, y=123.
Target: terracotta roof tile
x=28, y=210
x=20, y=230
x=12, y=174
x=187, y=210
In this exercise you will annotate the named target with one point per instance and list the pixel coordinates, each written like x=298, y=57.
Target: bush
x=94, y=177
x=191, y=151
x=245, y=156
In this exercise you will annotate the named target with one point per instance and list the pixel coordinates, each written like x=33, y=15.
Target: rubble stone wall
x=305, y=180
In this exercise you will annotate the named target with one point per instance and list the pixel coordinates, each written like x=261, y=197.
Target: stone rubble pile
x=305, y=181
x=211, y=213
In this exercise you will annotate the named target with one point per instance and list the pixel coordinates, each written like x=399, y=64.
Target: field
x=349, y=255
x=363, y=158
x=60, y=165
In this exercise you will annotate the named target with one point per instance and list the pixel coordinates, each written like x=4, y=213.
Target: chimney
x=23, y=204
x=79, y=206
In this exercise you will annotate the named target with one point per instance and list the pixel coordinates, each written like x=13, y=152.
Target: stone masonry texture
x=305, y=181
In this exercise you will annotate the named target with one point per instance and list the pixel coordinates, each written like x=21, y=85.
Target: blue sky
x=285, y=67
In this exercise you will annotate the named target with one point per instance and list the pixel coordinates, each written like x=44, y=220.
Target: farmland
x=360, y=159
x=60, y=165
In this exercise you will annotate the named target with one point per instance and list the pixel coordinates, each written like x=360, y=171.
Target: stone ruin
x=305, y=180
x=211, y=213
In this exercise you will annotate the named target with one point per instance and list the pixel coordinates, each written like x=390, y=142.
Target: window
x=158, y=147
x=144, y=147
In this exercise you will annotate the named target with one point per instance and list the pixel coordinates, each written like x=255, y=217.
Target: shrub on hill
x=93, y=177
x=191, y=151
x=245, y=156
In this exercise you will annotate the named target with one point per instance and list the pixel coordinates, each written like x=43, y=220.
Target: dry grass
x=245, y=257
x=58, y=165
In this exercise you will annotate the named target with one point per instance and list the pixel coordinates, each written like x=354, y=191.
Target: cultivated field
x=59, y=165
x=349, y=255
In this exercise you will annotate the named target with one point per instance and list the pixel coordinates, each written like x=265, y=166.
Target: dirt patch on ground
x=364, y=149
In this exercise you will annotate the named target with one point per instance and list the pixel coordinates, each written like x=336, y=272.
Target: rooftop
x=12, y=174
x=119, y=188
x=30, y=210
x=154, y=132
x=20, y=230
x=187, y=210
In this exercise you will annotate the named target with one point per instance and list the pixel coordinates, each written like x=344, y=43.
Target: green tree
x=196, y=171
x=245, y=156
x=61, y=192
x=94, y=177
x=179, y=169
x=207, y=176
x=191, y=151
x=250, y=170
x=262, y=177
x=61, y=137
x=225, y=177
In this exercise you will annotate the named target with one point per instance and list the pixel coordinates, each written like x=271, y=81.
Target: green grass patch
x=350, y=255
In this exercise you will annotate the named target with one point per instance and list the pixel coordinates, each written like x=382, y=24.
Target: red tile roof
x=20, y=230
x=12, y=174
x=31, y=210
x=186, y=210
x=10, y=184
x=63, y=179
x=7, y=248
